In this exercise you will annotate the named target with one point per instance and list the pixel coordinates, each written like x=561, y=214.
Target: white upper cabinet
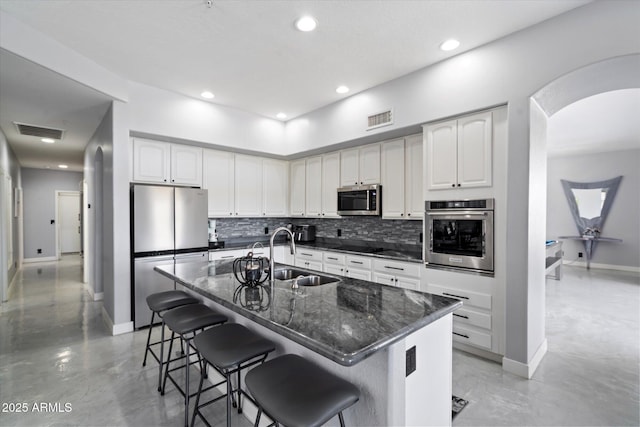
x=313, y=187
x=459, y=152
x=275, y=187
x=218, y=179
x=360, y=165
x=165, y=163
x=186, y=165
x=248, y=186
x=414, y=167
x=393, y=177
x=401, y=170
x=330, y=184
x=297, y=170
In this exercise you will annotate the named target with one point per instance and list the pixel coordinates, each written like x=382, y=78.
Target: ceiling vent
x=377, y=120
x=40, y=132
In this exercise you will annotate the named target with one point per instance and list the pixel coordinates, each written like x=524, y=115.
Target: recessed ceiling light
x=449, y=45
x=63, y=166
x=281, y=116
x=48, y=140
x=342, y=89
x=208, y=95
x=306, y=24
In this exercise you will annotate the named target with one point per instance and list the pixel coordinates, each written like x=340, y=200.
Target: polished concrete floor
x=54, y=350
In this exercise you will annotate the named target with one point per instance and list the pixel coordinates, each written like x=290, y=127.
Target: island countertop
x=345, y=321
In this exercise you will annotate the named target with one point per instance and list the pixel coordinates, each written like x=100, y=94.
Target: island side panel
x=369, y=375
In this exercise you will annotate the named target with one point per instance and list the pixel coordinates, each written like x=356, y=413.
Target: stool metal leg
x=161, y=357
x=258, y=417
x=146, y=350
x=186, y=385
x=341, y=419
x=166, y=370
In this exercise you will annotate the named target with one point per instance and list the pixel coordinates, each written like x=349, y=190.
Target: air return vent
x=377, y=120
x=40, y=132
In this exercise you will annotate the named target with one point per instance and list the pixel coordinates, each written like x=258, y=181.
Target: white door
x=369, y=164
x=475, y=150
x=330, y=184
x=69, y=221
x=297, y=187
x=413, y=199
x=248, y=184
x=393, y=185
x=218, y=179
x=442, y=154
x=186, y=165
x=313, y=187
x=275, y=187
x=151, y=161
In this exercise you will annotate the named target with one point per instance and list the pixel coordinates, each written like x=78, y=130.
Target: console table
x=553, y=259
x=589, y=242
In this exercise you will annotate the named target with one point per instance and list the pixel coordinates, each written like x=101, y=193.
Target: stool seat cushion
x=297, y=392
x=190, y=318
x=231, y=344
x=167, y=300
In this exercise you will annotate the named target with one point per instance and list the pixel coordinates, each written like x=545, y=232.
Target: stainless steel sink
x=302, y=277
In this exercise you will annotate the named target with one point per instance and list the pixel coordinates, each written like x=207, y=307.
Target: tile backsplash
x=352, y=228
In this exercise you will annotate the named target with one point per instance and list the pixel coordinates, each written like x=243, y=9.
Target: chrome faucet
x=292, y=246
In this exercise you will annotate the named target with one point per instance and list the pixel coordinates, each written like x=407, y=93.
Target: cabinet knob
x=408, y=214
x=458, y=185
x=401, y=214
x=453, y=185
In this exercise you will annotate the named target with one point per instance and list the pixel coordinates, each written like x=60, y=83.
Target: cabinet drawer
x=471, y=337
x=397, y=268
x=334, y=258
x=358, y=262
x=308, y=255
x=471, y=317
x=469, y=298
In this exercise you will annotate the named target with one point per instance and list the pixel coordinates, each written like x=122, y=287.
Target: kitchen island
x=367, y=333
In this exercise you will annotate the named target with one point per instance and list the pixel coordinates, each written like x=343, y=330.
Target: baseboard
x=604, y=266
x=485, y=354
x=95, y=296
x=117, y=329
x=42, y=259
x=525, y=370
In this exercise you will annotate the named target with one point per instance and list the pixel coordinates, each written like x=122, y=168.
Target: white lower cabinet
x=358, y=267
x=334, y=263
x=308, y=258
x=472, y=323
x=405, y=275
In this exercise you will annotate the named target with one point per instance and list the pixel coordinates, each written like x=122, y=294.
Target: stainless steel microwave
x=360, y=200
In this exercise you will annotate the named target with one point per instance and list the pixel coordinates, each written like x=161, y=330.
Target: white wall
x=9, y=167
x=623, y=221
x=39, y=201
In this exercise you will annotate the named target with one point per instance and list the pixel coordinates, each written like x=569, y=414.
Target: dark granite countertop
x=398, y=252
x=345, y=321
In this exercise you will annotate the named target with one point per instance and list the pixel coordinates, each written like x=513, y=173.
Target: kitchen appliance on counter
x=360, y=200
x=304, y=233
x=168, y=226
x=460, y=235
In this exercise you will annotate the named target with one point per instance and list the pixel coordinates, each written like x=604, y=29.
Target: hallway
x=54, y=349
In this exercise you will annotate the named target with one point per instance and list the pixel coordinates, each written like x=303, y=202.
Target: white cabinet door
x=349, y=164
x=248, y=186
x=334, y=269
x=475, y=150
x=441, y=145
x=151, y=161
x=218, y=178
x=408, y=283
x=384, y=279
x=313, y=187
x=356, y=273
x=275, y=187
x=297, y=186
x=413, y=191
x=330, y=184
x=369, y=164
x=393, y=177
x=186, y=165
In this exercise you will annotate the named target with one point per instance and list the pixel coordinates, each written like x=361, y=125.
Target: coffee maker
x=304, y=233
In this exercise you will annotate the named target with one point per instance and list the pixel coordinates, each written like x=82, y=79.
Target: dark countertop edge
x=344, y=359
x=320, y=246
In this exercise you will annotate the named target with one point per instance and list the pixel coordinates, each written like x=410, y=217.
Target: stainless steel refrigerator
x=168, y=226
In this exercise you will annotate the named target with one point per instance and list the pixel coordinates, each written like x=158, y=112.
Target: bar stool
x=186, y=321
x=228, y=349
x=159, y=303
x=295, y=392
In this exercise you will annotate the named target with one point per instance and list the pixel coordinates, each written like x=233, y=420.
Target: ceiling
x=247, y=53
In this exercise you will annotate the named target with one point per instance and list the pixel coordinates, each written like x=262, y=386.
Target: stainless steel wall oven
x=460, y=235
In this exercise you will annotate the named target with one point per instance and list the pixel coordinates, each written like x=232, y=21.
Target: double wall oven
x=460, y=235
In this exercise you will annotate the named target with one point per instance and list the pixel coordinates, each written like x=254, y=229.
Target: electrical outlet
x=579, y=254
x=339, y=232
x=420, y=237
x=411, y=360
x=266, y=230
x=39, y=251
